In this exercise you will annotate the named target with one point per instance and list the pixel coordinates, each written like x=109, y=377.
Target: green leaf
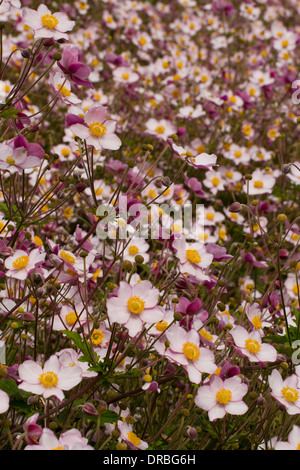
x=84, y=348
x=11, y=388
x=9, y=114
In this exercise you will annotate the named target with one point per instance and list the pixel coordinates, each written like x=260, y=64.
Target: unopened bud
x=89, y=410
x=235, y=207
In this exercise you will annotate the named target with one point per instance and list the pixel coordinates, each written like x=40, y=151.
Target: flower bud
x=89, y=410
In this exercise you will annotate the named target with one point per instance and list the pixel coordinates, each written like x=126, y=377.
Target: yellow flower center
x=191, y=351
x=71, y=318
x=160, y=129
x=21, y=263
x=258, y=184
x=161, y=325
x=125, y=75
x=295, y=289
x=206, y=335
x=295, y=237
x=143, y=41
x=135, y=305
x=223, y=396
x=48, y=379
x=133, y=250
x=285, y=43
x=215, y=181
x=252, y=345
x=97, y=337
x=256, y=322
x=290, y=394
x=67, y=257
x=132, y=437
x=238, y=154
x=97, y=129
x=38, y=241
x=10, y=160
x=63, y=90
x=210, y=216
x=49, y=21
x=193, y=256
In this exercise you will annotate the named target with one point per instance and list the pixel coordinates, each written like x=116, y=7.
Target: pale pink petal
x=30, y=371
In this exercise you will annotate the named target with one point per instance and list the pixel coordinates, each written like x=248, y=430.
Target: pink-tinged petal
x=117, y=312
x=80, y=130
x=124, y=292
x=95, y=114
x=110, y=142
x=152, y=315
x=54, y=392
x=177, y=357
x=215, y=384
x=21, y=274
x=52, y=365
x=32, y=388
x=134, y=325
x=217, y=412
x=43, y=10
x=177, y=337
x=64, y=23
x=94, y=142
x=205, y=399
x=110, y=125
x=30, y=162
x=267, y=353
x=30, y=371
x=239, y=335
x=69, y=377
x=294, y=436
x=45, y=33
x=194, y=374
x=193, y=337
x=145, y=291
x=236, y=408
x=32, y=18
x=284, y=446
x=275, y=382
x=237, y=388
x=206, y=361
x=4, y=402
x=35, y=150
x=48, y=439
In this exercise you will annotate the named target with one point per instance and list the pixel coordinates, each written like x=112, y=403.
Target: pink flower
x=49, y=380
x=97, y=130
x=69, y=440
x=21, y=263
x=20, y=156
x=220, y=397
x=193, y=258
x=185, y=349
x=286, y=391
x=47, y=25
x=293, y=442
x=134, y=306
x=251, y=346
x=4, y=401
x=128, y=436
x=32, y=430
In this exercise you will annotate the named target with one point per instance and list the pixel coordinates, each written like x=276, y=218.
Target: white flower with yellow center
x=219, y=397
x=250, y=345
x=185, y=349
x=286, y=392
x=50, y=380
x=97, y=130
x=193, y=258
x=21, y=263
x=135, y=305
x=47, y=25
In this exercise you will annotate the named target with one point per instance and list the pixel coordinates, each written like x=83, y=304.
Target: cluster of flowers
x=109, y=343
